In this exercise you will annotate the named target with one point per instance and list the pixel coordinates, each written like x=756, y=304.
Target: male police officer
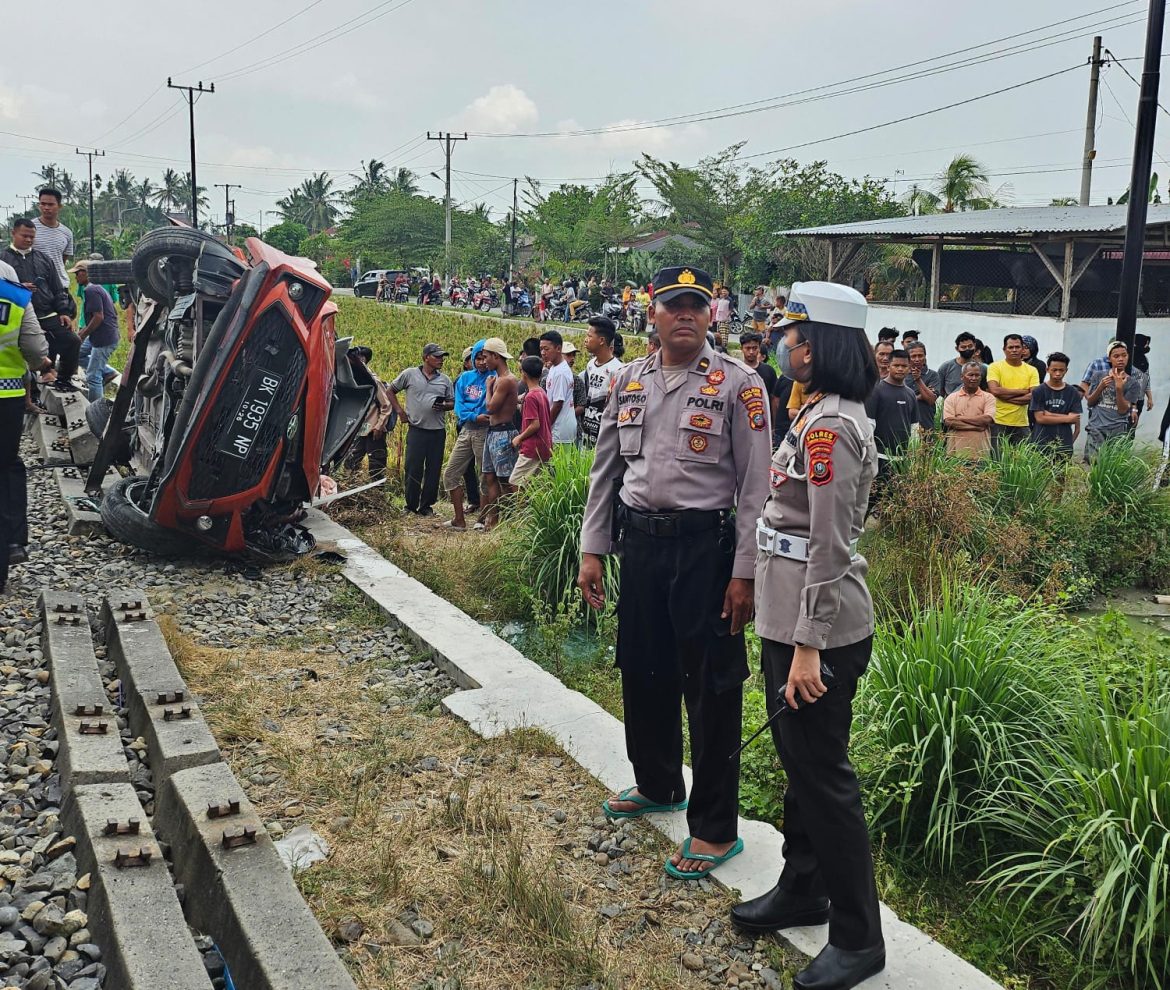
x=680, y=474
x=22, y=344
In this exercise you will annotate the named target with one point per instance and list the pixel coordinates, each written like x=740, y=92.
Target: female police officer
x=815, y=618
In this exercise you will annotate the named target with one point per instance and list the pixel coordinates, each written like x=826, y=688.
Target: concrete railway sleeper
x=188, y=891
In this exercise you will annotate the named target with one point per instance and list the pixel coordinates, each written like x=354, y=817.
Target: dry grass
x=474, y=847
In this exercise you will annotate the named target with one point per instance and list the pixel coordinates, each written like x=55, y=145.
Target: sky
x=309, y=85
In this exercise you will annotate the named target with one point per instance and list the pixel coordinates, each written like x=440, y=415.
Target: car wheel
x=156, y=247
x=128, y=523
x=111, y=272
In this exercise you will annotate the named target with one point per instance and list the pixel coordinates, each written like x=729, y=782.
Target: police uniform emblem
x=704, y=364
x=701, y=422
x=819, y=444
x=698, y=443
x=709, y=390
x=687, y=277
x=717, y=377
x=757, y=420
x=635, y=386
x=629, y=415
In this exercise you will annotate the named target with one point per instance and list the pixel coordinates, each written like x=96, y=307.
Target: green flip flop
x=645, y=805
x=678, y=874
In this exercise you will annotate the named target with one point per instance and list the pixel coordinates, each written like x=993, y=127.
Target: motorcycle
x=458, y=296
x=237, y=399
x=485, y=300
x=522, y=304
x=612, y=309
x=635, y=319
x=402, y=292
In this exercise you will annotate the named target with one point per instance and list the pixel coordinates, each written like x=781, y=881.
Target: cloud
x=502, y=109
x=347, y=88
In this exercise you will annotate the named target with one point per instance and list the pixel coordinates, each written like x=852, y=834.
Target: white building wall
x=1081, y=340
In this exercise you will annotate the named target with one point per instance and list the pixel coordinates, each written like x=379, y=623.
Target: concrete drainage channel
x=188, y=891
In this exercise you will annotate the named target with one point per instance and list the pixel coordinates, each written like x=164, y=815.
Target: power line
x=1132, y=79
x=914, y=116
x=263, y=34
x=153, y=93
x=804, y=96
x=361, y=20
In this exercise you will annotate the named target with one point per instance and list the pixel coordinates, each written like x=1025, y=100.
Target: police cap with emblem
x=672, y=282
x=825, y=302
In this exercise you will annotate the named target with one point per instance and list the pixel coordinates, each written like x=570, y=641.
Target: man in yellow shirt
x=1011, y=382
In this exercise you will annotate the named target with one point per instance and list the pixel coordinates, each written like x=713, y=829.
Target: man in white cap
x=499, y=454
x=814, y=617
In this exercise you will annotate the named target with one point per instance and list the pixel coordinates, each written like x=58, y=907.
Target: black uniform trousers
x=13, y=482
x=826, y=843
x=672, y=646
x=424, y=464
x=64, y=347
x=373, y=447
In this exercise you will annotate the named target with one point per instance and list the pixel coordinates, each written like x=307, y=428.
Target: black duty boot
x=779, y=909
x=840, y=969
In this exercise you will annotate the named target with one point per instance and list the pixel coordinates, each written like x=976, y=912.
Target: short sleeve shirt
x=559, y=388
x=1012, y=376
x=98, y=300
x=421, y=393
x=1104, y=415
x=1060, y=401
x=598, y=380
x=57, y=243
x=891, y=407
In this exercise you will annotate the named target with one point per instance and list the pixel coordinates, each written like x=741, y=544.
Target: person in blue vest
x=22, y=347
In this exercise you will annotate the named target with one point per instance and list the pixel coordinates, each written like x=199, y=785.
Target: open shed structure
x=1056, y=261
x=1051, y=272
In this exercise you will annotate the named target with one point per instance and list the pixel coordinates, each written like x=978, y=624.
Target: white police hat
x=825, y=302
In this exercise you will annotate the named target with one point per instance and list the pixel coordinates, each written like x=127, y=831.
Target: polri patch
x=751, y=392
x=710, y=390
x=717, y=377
x=629, y=415
x=819, y=444
x=698, y=443
x=701, y=422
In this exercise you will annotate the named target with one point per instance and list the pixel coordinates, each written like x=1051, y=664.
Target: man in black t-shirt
x=892, y=408
x=1056, y=409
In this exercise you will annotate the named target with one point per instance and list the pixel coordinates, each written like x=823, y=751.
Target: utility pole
x=261, y=223
x=512, y=265
x=191, y=92
x=1139, y=183
x=91, y=155
x=227, y=188
x=448, y=139
x=1091, y=122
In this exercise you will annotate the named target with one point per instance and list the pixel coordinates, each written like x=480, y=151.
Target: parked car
x=367, y=285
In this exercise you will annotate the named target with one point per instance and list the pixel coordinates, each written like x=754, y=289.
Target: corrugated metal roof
x=1011, y=220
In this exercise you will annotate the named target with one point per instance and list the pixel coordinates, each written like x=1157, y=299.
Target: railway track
x=187, y=890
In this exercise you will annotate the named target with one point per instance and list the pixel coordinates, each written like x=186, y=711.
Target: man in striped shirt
x=53, y=237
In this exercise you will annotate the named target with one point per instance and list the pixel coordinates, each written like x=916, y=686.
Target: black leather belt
x=670, y=524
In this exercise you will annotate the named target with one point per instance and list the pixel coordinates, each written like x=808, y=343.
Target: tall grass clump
x=1119, y=478
x=1026, y=476
x=541, y=555
x=952, y=694
x=1091, y=807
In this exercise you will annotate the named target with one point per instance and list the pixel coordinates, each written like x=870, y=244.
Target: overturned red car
x=237, y=398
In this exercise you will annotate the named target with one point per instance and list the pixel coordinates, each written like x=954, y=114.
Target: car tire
x=156, y=246
x=111, y=272
x=128, y=523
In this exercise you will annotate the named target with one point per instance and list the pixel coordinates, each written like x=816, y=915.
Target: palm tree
x=144, y=193
x=48, y=175
x=183, y=193
x=963, y=185
x=371, y=180
x=404, y=182
x=318, y=201
x=920, y=201
x=68, y=186
x=167, y=194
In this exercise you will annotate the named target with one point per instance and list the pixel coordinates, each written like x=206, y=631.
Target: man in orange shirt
x=968, y=414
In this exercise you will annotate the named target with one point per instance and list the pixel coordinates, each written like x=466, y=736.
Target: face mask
x=967, y=355
x=784, y=356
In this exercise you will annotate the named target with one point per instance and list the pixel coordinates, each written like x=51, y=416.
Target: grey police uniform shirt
x=421, y=393
x=702, y=445
x=818, y=490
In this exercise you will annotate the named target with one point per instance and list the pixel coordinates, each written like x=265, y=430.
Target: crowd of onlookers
x=510, y=413
x=81, y=330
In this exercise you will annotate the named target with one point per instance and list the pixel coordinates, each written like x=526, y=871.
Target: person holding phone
x=814, y=615
x=429, y=395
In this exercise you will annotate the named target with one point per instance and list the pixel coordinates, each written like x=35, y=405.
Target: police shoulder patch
x=819, y=444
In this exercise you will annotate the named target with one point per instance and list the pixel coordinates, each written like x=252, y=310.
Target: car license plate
x=251, y=415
